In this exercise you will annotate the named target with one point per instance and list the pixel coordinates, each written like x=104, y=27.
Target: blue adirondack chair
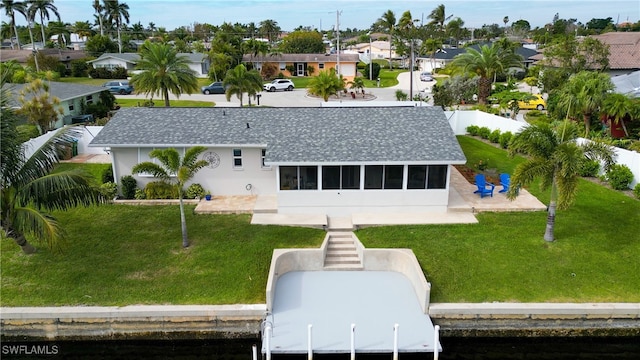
x=484, y=187
x=505, y=181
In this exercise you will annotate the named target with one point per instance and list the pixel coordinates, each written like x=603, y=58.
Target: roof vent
x=224, y=113
x=248, y=126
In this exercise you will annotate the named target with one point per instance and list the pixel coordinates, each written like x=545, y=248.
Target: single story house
x=624, y=51
x=335, y=161
x=71, y=96
x=197, y=62
x=301, y=62
x=64, y=56
x=444, y=57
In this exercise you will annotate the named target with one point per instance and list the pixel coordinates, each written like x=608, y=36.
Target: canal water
x=454, y=348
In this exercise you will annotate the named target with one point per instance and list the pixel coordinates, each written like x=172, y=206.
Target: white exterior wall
x=111, y=62
x=348, y=69
x=197, y=67
x=222, y=180
x=459, y=120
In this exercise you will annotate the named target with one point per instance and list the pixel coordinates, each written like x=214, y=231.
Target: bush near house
x=129, y=186
x=636, y=190
x=484, y=132
x=494, y=137
x=505, y=139
x=473, y=130
x=104, y=73
x=195, y=191
x=160, y=190
x=619, y=176
x=589, y=168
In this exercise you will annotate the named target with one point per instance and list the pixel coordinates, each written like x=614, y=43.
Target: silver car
x=279, y=84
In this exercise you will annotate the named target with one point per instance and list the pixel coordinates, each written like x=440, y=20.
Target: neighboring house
x=624, y=51
x=379, y=50
x=76, y=42
x=335, y=161
x=444, y=57
x=64, y=56
x=301, y=62
x=197, y=62
x=71, y=98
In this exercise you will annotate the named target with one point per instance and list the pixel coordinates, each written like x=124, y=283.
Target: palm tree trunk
x=183, y=223
x=587, y=124
x=15, y=31
x=165, y=95
x=484, y=88
x=551, y=216
x=33, y=50
x=624, y=127
x=24, y=244
x=44, y=42
x=119, y=40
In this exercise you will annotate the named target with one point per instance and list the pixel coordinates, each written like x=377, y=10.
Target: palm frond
x=60, y=191
x=41, y=226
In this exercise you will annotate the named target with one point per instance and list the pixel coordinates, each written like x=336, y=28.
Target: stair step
x=341, y=262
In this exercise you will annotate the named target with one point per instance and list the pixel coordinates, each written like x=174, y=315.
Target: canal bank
x=155, y=322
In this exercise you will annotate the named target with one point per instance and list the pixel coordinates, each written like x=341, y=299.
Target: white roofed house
x=334, y=161
x=197, y=62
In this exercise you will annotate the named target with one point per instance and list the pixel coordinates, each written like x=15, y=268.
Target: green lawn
x=119, y=254
x=159, y=102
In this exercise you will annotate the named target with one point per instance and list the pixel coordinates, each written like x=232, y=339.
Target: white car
x=426, y=76
x=279, y=84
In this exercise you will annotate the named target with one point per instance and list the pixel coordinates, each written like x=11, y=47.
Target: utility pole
x=338, y=12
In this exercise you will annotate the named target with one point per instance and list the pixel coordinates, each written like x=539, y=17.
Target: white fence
x=459, y=120
x=88, y=133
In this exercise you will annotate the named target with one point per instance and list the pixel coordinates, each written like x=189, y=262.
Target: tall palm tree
x=438, y=18
x=270, y=30
x=117, y=12
x=11, y=7
x=62, y=30
x=42, y=7
x=99, y=9
x=29, y=191
x=163, y=72
x=239, y=81
x=173, y=168
x=583, y=95
x=486, y=63
x=554, y=156
x=83, y=29
x=388, y=23
x=616, y=106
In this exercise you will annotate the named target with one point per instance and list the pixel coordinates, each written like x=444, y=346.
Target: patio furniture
x=505, y=181
x=484, y=187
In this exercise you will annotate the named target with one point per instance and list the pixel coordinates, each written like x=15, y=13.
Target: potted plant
x=207, y=195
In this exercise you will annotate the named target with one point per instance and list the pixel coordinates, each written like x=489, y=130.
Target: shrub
x=269, y=70
x=109, y=190
x=375, y=71
x=107, y=174
x=482, y=165
x=401, y=95
x=619, y=176
x=129, y=186
x=484, y=132
x=160, y=190
x=505, y=139
x=194, y=191
x=27, y=132
x=494, y=137
x=589, y=168
x=140, y=195
x=636, y=190
x=473, y=130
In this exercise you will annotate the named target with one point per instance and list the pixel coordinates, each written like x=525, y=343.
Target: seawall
x=157, y=322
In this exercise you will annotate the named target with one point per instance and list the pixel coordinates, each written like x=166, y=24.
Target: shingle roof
x=294, y=135
x=303, y=58
x=63, y=91
x=135, y=57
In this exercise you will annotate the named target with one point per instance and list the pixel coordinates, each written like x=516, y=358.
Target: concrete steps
x=342, y=252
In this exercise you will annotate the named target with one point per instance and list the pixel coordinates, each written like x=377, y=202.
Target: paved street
x=300, y=98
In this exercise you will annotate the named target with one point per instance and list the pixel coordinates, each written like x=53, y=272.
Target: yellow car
x=538, y=103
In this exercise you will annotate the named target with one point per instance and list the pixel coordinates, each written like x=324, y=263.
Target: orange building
x=300, y=64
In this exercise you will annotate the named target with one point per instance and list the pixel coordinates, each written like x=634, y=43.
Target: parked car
x=119, y=87
x=213, y=88
x=426, y=76
x=279, y=84
x=538, y=103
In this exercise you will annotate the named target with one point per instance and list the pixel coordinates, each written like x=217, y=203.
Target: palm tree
x=163, y=72
x=42, y=7
x=10, y=8
x=357, y=83
x=270, y=29
x=152, y=28
x=238, y=81
x=438, y=18
x=388, y=22
x=99, y=9
x=28, y=188
x=173, y=167
x=455, y=28
x=485, y=63
x=83, y=29
x=554, y=156
x=583, y=95
x=617, y=106
x=62, y=30
x=116, y=12
x=327, y=83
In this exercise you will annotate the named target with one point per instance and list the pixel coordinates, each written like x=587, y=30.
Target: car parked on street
x=279, y=84
x=119, y=87
x=426, y=76
x=536, y=103
x=213, y=88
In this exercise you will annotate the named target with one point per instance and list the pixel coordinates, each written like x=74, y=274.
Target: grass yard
x=119, y=255
x=160, y=103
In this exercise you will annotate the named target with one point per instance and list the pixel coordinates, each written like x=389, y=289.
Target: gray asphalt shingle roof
x=63, y=91
x=294, y=135
x=135, y=57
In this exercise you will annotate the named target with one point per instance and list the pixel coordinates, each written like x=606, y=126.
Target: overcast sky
x=358, y=14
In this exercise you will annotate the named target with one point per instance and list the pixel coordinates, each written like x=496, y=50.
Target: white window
x=237, y=158
x=263, y=156
x=283, y=66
